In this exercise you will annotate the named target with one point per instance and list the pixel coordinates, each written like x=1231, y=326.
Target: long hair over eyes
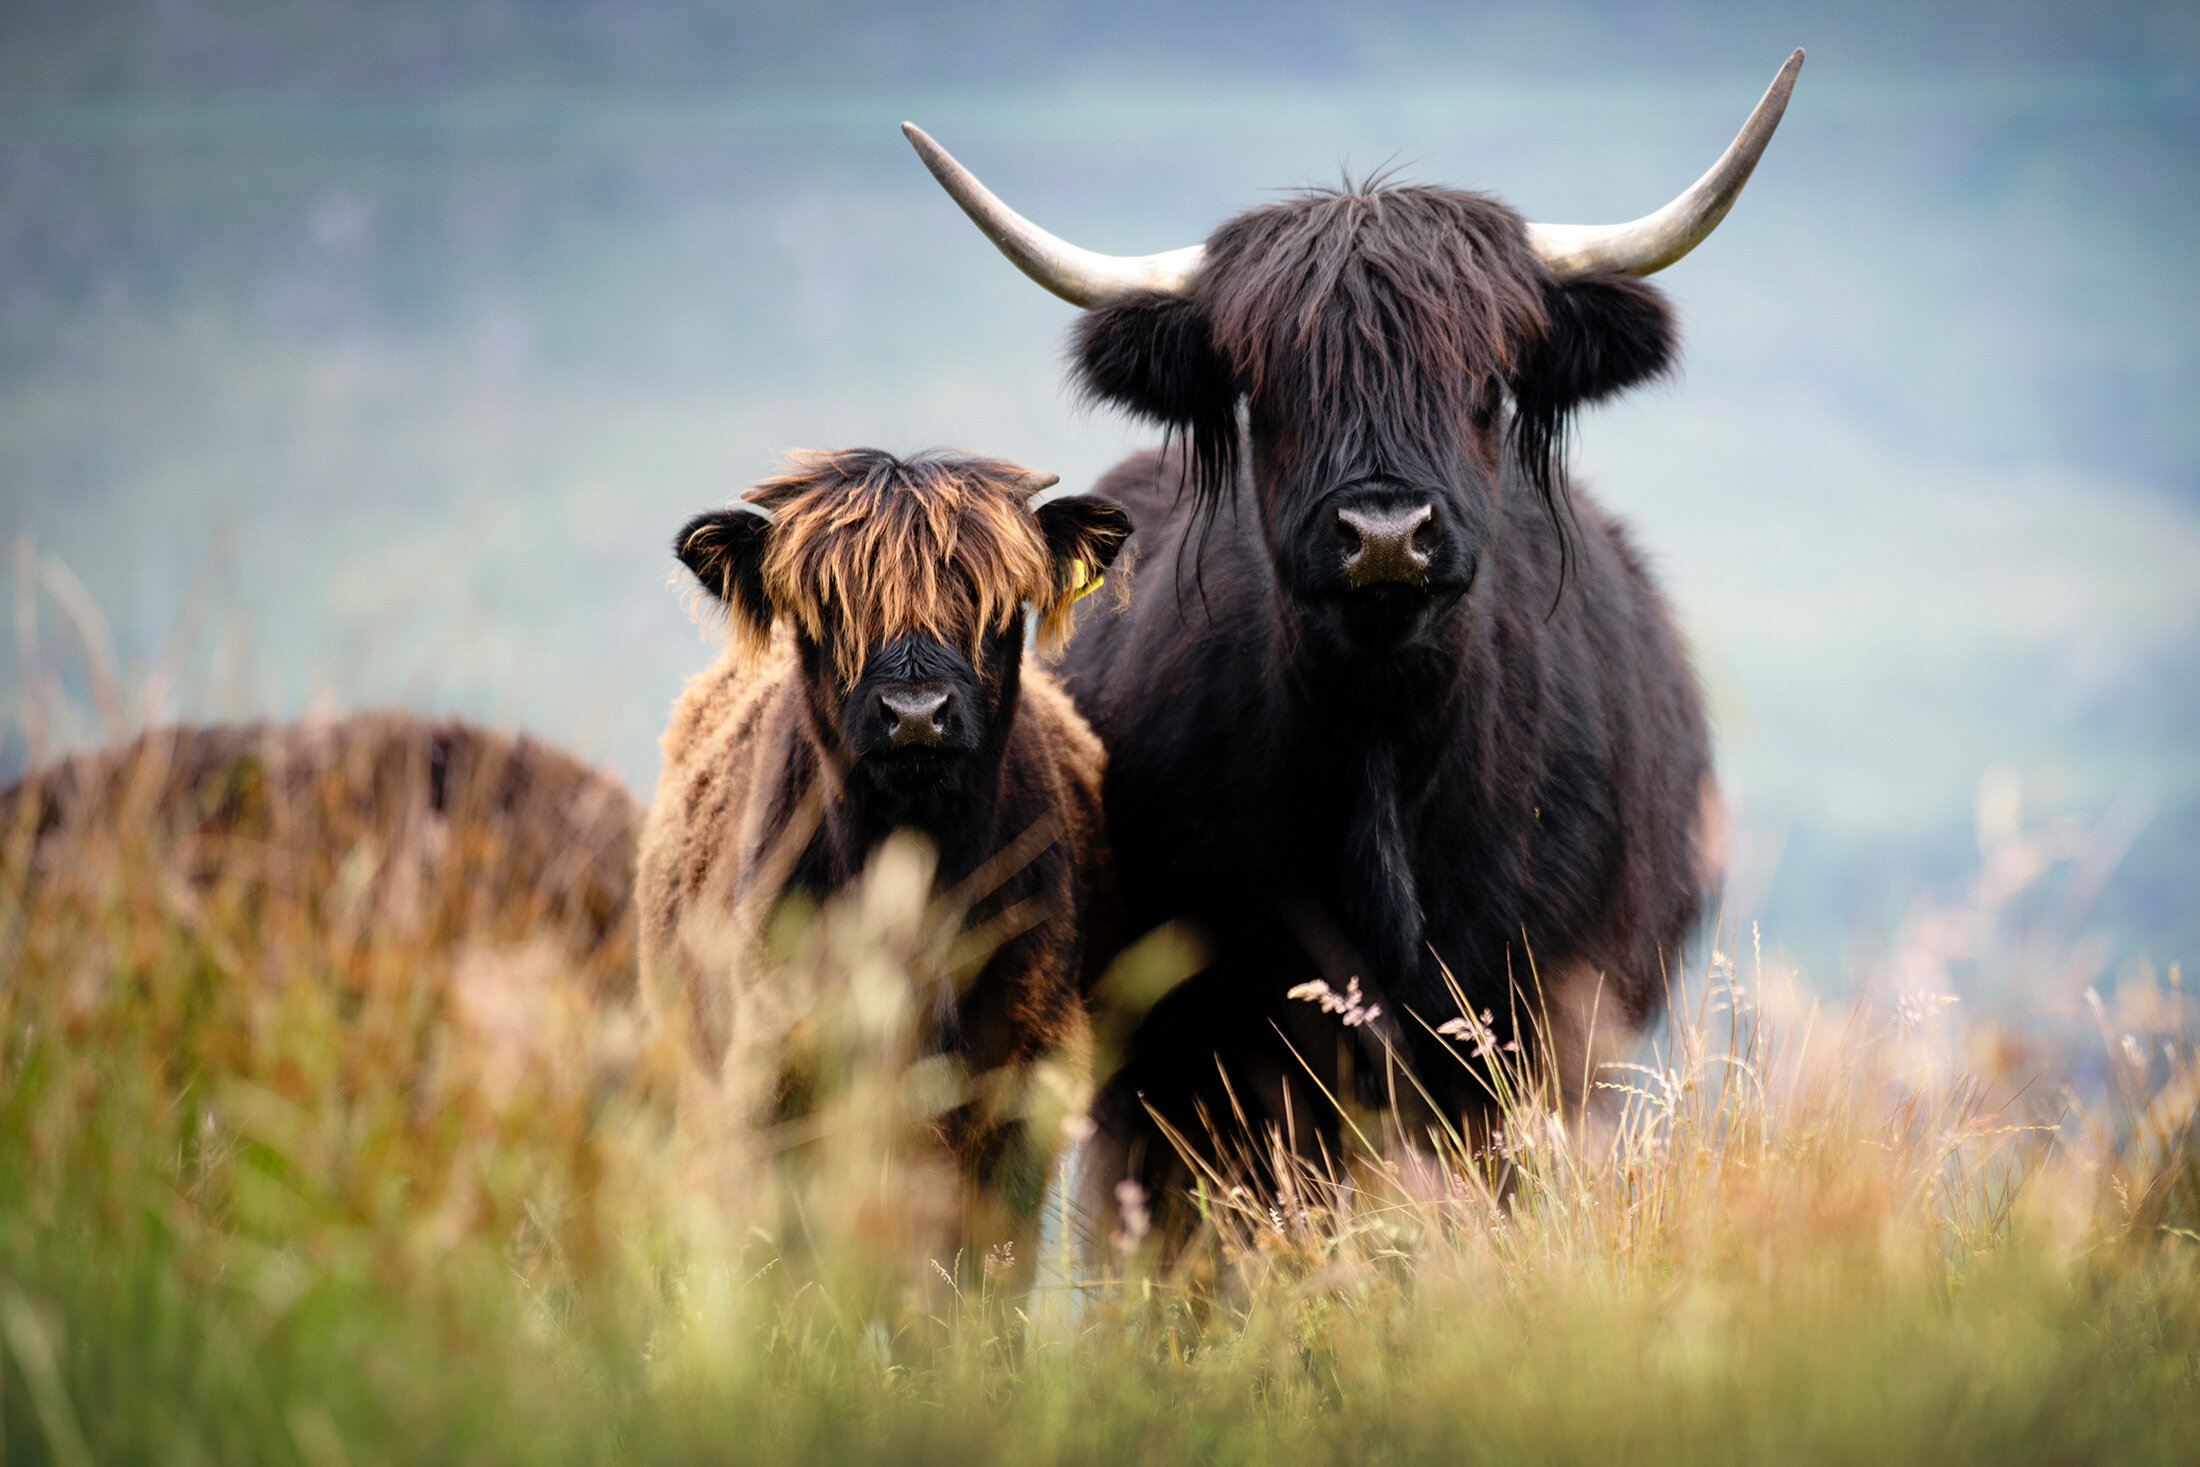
x=865, y=547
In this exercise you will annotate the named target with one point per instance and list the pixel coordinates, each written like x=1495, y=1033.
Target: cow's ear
x=725, y=550
x=1153, y=354
x=1083, y=538
x=1608, y=332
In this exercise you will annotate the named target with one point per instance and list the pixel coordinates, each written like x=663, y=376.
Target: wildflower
x=1130, y=1200
x=1469, y=1030
x=1913, y=1009
x=1355, y=1009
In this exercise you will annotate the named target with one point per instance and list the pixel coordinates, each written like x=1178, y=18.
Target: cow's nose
x=1387, y=546
x=914, y=715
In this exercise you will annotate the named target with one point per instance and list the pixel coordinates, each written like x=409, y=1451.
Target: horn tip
x=932, y=153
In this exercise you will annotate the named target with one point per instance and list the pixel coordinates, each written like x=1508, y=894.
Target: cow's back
x=378, y=829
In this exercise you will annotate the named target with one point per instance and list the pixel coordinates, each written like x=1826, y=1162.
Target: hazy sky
x=403, y=336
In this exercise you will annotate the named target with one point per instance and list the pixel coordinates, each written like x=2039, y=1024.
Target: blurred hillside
x=399, y=338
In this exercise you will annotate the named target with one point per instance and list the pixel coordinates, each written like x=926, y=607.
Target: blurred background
x=367, y=354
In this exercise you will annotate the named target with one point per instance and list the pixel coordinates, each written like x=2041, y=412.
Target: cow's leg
x=1074, y=1232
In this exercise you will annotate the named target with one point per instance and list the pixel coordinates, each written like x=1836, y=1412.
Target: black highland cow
x=1394, y=703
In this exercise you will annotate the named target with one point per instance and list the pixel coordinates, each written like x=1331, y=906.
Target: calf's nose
x=1387, y=546
x=914, y=715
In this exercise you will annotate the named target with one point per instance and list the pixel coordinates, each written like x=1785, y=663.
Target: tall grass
x=266, y=1196
x=279, y=1186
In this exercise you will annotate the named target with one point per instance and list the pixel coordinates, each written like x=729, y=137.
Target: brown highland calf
x=329, y=843
x=875, y=681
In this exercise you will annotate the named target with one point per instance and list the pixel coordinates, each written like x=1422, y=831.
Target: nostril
x=1426, y=535
x=1348, y=534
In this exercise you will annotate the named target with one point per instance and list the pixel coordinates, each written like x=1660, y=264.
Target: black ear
x=1154, y=354
x=725, y=550
x=1079, y=528
x=1609, y=332
x=1083, y=536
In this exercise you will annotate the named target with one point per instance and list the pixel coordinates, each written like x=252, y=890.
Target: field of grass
x=277, y=1185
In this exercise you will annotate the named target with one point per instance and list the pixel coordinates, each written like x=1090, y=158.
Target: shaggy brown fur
x=745, y=804
x=864, y=550
x=420, y=835
x=763, y=792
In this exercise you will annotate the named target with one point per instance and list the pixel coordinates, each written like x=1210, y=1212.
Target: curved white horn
x=1654, y=241
x=1078, y=276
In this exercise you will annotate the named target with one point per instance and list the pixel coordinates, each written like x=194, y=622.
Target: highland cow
x=330, y=841
x=875, y=681
x=1409, y=727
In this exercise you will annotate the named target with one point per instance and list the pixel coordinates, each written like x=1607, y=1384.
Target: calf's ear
x=1608, y=332
x=1083, y=537
x=725, y=550
x=1081, y=529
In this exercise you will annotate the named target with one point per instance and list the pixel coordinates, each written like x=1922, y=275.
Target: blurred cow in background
x=378, y=830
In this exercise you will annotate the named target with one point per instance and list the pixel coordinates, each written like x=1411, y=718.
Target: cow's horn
x=1654, y=241
x=1076, y=275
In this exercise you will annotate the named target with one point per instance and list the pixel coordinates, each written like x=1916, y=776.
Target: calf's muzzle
x=916, y=714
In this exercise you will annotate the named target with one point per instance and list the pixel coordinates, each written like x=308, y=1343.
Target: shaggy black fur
x=1607, y=333
x=1494, y=772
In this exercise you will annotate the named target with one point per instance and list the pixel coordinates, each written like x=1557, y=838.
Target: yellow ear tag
x=1088, y=580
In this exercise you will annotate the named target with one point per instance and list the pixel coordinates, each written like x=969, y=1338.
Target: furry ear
x=1154, y=354
x=1608, y=332
x=1083, y=537
x=725, y=550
